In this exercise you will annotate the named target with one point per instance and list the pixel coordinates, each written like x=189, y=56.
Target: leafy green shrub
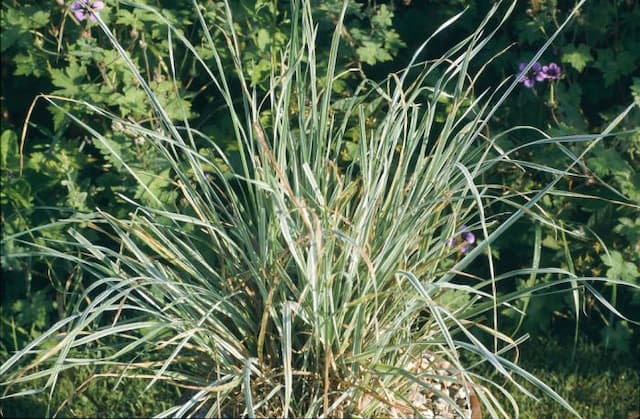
x=599, y=55
x=600, y=59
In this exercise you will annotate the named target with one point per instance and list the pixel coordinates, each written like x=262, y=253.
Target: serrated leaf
x=159, y=184
x=29, y=65
x=619, y=268
x=383, y=18
x=372, y=52
x=453, y=299
x=578, y=57
x=114, y=149
x=20, y=193
x=607, y=161
x=132, y=101
x=39, y=19
x=11, y=36
x=76, y=198
x=263, y=39
x=613, y=66
x=69, y=80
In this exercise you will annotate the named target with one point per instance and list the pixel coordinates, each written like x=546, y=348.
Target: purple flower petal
x=83, y=9
x=464, y=239
x=552, y=71
x=469, y=237
x=534, y=74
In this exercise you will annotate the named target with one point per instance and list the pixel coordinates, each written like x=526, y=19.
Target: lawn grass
x=77, y=396
x=598, y=384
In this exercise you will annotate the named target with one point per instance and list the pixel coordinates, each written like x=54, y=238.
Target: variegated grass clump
x=298, y=283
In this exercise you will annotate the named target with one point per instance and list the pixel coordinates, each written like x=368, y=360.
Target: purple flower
x=530, y=78
x=83, y=9
x=551, y=71
x=468, y=236
x=465, y=239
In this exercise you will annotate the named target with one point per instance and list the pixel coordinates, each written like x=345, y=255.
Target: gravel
x=444, y=390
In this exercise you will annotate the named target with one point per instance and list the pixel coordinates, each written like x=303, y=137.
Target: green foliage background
x=57, y=171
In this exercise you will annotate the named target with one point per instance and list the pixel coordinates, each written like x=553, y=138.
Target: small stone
x=441, y=405
x=462, y=394
x=419, y=399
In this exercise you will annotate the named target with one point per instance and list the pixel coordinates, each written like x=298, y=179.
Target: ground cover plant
x=312, y=273
x=599, y=60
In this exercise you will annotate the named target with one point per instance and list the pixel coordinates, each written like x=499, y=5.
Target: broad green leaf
x=372, y=52
x=618, y=336
x=263, y=39
x=614, y=65
x=619, y=268
x=607, y=161
x=8, y=149
x=577, y=56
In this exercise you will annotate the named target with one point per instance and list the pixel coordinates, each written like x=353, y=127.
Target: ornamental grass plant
x=323, y=270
